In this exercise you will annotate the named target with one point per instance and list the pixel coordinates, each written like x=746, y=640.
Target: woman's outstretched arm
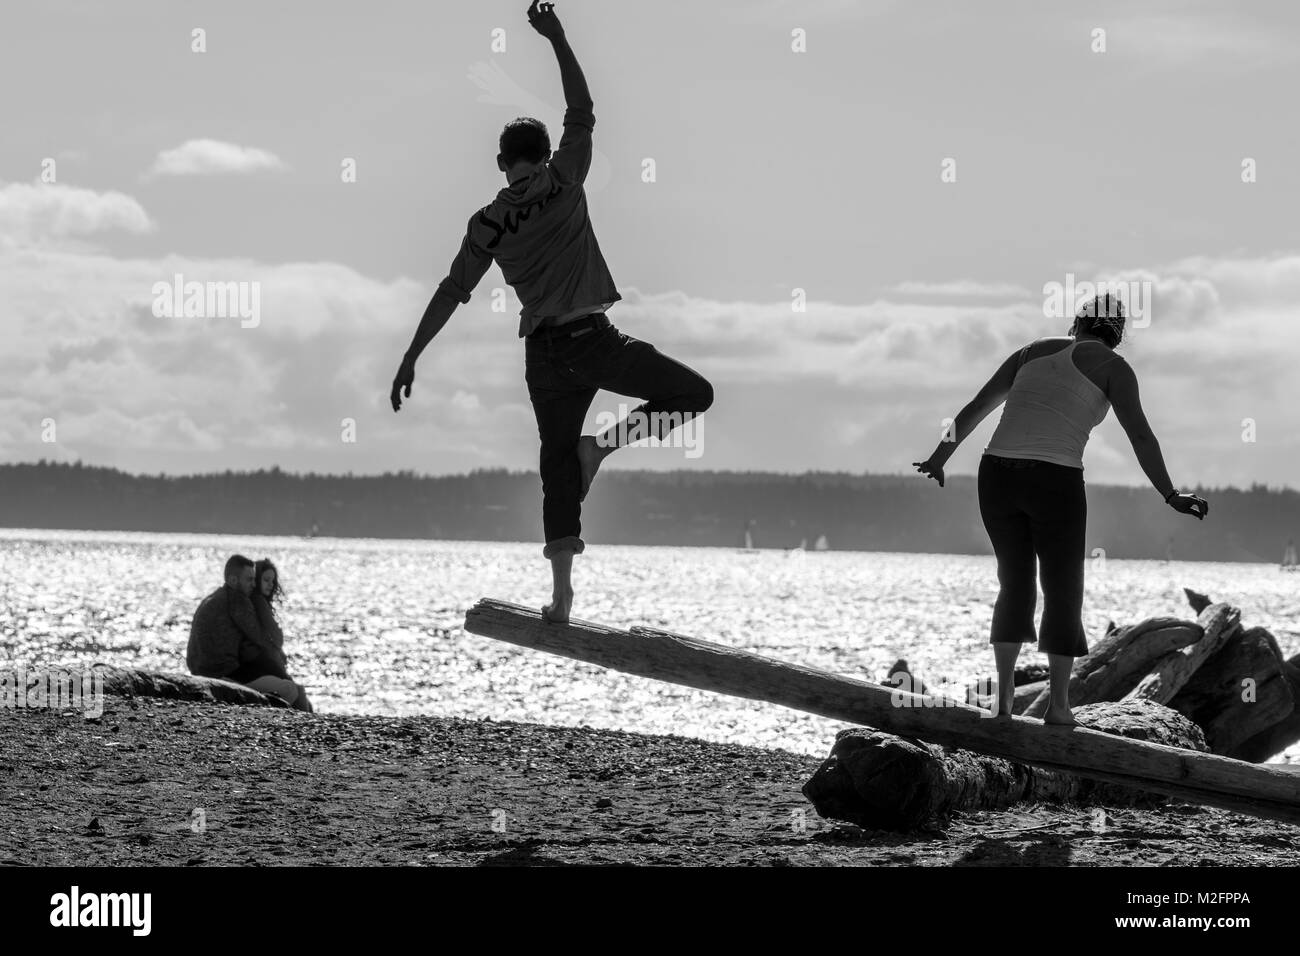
x=1122, y=390
x=993, y=394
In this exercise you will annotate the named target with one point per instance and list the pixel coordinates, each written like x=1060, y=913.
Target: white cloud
x=30, y=212
x=149, y=393
x=843, y=385
x=205, y=157
x=963, y=288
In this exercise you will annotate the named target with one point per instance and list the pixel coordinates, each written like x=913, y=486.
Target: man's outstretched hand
x=404, y=379
x=542, y=17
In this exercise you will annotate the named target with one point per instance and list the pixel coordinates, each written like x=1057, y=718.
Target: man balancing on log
x=1030, y=484
x=538, y=231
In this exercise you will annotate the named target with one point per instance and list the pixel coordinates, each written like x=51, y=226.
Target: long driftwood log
x=1174, y=771
x=130, y=682
x=127, y=682
x=886, y=782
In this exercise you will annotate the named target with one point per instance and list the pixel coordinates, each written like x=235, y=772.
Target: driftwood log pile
x=1210, y=686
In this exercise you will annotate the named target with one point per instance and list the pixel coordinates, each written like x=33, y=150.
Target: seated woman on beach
x=266, y=591
x=1030, y=485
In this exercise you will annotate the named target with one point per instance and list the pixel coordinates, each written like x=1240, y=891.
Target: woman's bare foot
x=557, y=612
x=590, y=455
x=1060, y=716
x=1006, y=708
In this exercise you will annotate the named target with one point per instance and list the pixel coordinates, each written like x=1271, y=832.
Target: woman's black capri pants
x=1036, y=510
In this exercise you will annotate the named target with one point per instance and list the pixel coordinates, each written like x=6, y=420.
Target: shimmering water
x=376, y=626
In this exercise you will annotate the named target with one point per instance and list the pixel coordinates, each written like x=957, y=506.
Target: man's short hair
x=524, y=139
x=236, y=564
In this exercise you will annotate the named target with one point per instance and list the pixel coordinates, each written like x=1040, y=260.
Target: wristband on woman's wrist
x=1170, y=495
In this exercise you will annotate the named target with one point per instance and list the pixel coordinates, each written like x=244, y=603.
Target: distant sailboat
x=1289, y=561
x=749, y=539
x=821, y=544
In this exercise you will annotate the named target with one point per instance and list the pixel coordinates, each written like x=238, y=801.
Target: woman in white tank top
x=1031, y=492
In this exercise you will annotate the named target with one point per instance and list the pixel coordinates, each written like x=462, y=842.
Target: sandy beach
x=175, y=783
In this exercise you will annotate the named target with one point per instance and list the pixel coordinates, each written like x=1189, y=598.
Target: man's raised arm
x=544, y=21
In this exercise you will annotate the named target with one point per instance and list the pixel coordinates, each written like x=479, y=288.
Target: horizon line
x=411, y=473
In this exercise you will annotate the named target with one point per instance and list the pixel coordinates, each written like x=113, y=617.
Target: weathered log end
x=882, y=781
x=878, y=781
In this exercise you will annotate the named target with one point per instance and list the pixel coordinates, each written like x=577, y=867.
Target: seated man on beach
x=226, y=640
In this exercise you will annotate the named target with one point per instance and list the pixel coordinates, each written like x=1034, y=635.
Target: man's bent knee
x=702, y=397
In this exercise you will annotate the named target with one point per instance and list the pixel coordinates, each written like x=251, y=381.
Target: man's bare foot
x=590, y=455
x=557, y=612
x=1006, y=708
x=1060, y=716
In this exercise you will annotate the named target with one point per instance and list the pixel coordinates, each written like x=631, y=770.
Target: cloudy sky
x=129, y=158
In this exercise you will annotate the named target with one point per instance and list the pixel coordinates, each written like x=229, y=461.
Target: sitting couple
x=235, y=636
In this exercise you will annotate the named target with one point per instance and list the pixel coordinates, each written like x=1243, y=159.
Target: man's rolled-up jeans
x=564, y=367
